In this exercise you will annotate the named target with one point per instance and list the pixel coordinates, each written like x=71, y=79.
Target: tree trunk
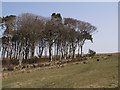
x=78, y=49
x=57, y=50
x=20, y=58
x=45, y=51
x=73, y=50
x=82, y=47
x=60, y=51
x=65, y=51
x=40, y=51
x=11, y=53
x=3, y=52
x=50, y=52
x=26, y=53
x=70, y=52
x=32, y=54
x=60, y=55
x=33, y=49
x=81, y=51
x=73, y=54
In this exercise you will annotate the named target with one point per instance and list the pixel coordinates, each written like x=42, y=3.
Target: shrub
x=91, y=53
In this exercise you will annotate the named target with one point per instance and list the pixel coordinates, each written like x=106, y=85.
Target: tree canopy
x=28, y=34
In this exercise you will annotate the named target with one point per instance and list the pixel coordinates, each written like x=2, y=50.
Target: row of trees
x=28, y=35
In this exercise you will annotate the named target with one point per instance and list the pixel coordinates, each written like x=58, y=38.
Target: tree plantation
x=29, y=35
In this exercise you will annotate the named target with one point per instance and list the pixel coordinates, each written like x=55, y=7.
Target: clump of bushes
x=30, y=61
x=10, y=61
x=91, y=53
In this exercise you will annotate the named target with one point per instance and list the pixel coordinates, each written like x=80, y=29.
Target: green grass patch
x=94, y=74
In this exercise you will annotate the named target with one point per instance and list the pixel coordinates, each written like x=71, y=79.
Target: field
x=83, y=74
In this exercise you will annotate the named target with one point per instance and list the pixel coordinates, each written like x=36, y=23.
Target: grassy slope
x=94, y=74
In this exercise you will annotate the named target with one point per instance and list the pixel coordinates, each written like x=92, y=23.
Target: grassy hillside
x=93, y=74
